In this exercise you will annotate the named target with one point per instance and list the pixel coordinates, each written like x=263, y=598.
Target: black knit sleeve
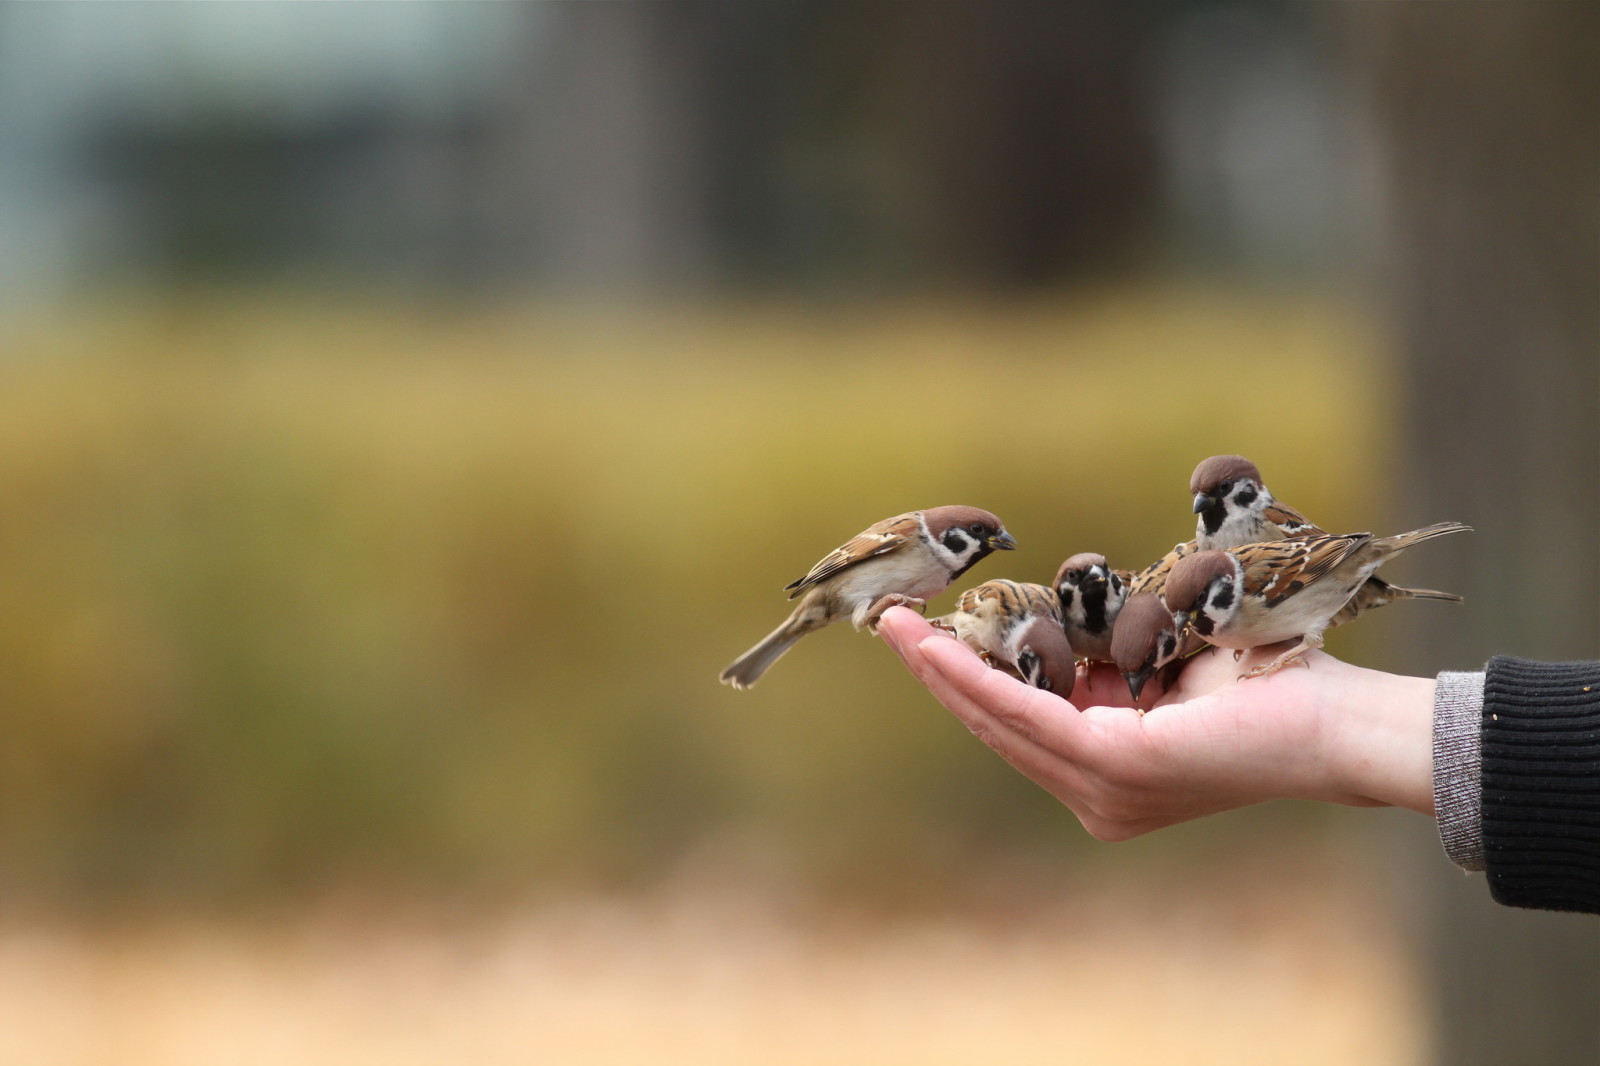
x=1541, y=783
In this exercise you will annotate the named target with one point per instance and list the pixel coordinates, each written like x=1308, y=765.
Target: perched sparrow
x=1147, y=641
x=1235, y=509
x=1016, y=626
x=901, y=560
x=1153, y=578
x=1261, y=594
x=1091, y=595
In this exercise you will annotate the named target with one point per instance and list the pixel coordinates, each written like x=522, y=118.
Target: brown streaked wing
x=1291, y=522
x=1015, y=598
x=876, y=539
x=1153, y=578
x=1041, y=599
x=1280, y=568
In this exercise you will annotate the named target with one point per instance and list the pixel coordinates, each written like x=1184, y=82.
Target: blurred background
x=406, y=410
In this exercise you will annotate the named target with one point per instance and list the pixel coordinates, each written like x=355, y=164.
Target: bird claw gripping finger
x=883, y=603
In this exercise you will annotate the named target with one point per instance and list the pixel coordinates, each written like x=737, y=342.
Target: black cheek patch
x=1245, y=498
x=1222, y=598
x=977, y=557
x=1031, y=667
x=955, y=541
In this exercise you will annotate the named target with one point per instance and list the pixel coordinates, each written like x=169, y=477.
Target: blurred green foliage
x=296, y=595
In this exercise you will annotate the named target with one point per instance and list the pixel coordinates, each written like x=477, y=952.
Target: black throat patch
x=977, y=557
x=1094, y=609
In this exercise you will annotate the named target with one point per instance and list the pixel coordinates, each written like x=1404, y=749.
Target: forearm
x=1381, y=742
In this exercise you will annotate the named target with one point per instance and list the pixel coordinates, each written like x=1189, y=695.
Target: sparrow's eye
x=977, y=529
x=1223, y=487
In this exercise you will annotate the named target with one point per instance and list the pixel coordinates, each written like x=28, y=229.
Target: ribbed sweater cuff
x=1457, y=767
x=1541, y=783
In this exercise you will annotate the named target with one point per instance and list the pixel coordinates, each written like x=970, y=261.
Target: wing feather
x=1153, y=578
x=1278, y=569
x=1291, y=522
x=880, y=538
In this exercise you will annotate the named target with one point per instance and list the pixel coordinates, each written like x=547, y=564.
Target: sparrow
x=899, y=561
x=1235, y=508
x=1016, y=626
x=1148, y=640
x=1259, y=594
x=1154, y=577
x=1091, y=594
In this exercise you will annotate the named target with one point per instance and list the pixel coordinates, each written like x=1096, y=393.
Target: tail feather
x=747, y=669
x=1399, y=592
x=1401, y=541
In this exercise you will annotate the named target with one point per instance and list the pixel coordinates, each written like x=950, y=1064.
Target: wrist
x=1381, y=740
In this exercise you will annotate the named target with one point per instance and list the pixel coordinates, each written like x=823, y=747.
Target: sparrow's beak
x=1002, y=540
x=1201, y=502
x=1136, y=680
x=1093, y=577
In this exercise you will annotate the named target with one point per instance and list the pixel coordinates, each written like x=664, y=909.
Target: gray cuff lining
x=1457, y=766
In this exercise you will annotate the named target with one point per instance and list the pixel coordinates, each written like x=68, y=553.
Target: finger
x=1040, y=716
x=1063, y=750
x=1012, y=718
x=901, y=627
x=938, y=662
x=997, y=695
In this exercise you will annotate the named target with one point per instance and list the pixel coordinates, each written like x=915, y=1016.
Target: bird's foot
x=883, y=603
x=1292, y=659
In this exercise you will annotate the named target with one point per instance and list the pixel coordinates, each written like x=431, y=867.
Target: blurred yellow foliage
x=294, y=593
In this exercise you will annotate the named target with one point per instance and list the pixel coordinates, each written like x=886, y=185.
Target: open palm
x=1328, y=731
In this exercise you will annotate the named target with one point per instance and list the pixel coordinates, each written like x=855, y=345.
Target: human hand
x=1327, y=731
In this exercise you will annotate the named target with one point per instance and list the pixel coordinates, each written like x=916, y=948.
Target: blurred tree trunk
x=669, y=147
x=1487, y=117
x=1029, y=131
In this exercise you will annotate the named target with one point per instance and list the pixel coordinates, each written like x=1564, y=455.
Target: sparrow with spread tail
x=1235, y=508
x=1016, y=626
x=1091, y=595
x=1260, y=594
x=901, y=560
x=1148, y=641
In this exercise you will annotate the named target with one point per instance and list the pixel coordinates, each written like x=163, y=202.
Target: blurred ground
x=1293, y=961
